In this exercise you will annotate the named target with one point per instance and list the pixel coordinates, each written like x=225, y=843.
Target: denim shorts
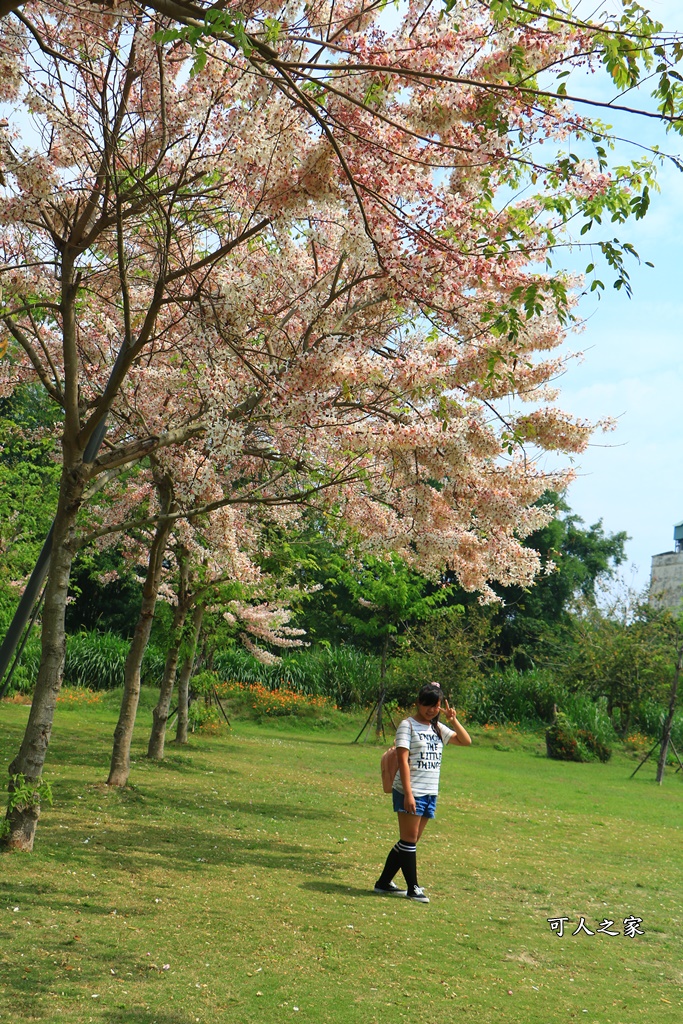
x=425, y=806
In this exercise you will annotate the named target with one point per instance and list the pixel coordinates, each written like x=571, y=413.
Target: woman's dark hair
x=429, y=696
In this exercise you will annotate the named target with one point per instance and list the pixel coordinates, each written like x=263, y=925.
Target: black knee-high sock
x=394, y=862
x=408, y=862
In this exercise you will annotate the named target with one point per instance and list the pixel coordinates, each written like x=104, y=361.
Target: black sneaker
x=389, y=889
x=418, y=894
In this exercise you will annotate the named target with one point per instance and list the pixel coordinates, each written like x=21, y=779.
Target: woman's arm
x=404, y=772
x=461, y=737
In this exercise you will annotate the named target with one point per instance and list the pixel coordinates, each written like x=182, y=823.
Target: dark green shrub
x=591, y=725
x=561, y=742
x=565, y=742
x=589, y=715
x=594, y=745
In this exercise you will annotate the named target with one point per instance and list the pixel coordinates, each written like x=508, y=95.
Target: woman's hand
x=409, y=805
x=451, y=716
x=461, y=735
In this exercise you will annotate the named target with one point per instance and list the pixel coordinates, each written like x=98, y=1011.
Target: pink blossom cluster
x=311, y=298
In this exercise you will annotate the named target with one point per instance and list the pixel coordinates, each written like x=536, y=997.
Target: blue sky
x=631, y=478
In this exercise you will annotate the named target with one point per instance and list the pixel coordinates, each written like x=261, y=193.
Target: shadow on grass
x=139, y=1016
x=337, y=889
x=33, y=896
x=341, y=742
x=30, y=978
x=275, y=810
x=182, y=764
x=184, y=846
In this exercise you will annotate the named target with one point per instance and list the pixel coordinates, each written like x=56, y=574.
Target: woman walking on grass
x=419, y=744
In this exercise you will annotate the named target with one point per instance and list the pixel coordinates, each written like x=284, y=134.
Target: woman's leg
x=403, y=854
x=409, y=831
x=409, y=827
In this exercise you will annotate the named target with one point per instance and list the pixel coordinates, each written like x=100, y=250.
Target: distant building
x=666, y=575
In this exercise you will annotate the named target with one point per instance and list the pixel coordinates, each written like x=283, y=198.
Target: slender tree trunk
x=155, y=748
x=123, y=734
x=380, y=699
x=666, y=733
x=185, y=673
x=27, y=766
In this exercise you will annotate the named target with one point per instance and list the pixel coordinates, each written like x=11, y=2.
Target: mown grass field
x=233, y=883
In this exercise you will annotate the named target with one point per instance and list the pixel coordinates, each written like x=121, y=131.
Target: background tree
x=624, y=654
x=578, y=560
x=29, y=479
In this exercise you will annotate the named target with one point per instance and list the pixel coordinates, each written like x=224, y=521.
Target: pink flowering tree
x=298, y=279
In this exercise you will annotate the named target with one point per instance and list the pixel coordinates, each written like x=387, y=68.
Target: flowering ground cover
x=231, y=884
x=273, y=702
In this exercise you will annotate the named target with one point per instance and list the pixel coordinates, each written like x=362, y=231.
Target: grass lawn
x=232, y=883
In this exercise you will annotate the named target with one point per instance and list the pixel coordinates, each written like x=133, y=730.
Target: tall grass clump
x=589, y=715
x=525, y=698
x=346, y=675
x=95, y=660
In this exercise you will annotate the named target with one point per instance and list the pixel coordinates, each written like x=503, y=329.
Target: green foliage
x=26, y=672
x=648, y=716
x=25, y=793
x=625, y=659
x=583, y=557
x=405, y=676
x=453, y=647
x=386, y=597
x=201, y=715
x=526, y=698
x=112, y=607
x=153, y=665
x=230, y=25
x=29, y=482
x=591, y=744
x=204, y=682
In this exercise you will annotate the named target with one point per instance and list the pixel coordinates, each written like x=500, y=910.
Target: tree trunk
x=185, y=673
x=155, y=748
x=123, y=734
x=666, y=732
x=379, y=726
x=27, y=766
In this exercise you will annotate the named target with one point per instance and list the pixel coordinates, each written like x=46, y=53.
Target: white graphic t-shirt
x=424, y=759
